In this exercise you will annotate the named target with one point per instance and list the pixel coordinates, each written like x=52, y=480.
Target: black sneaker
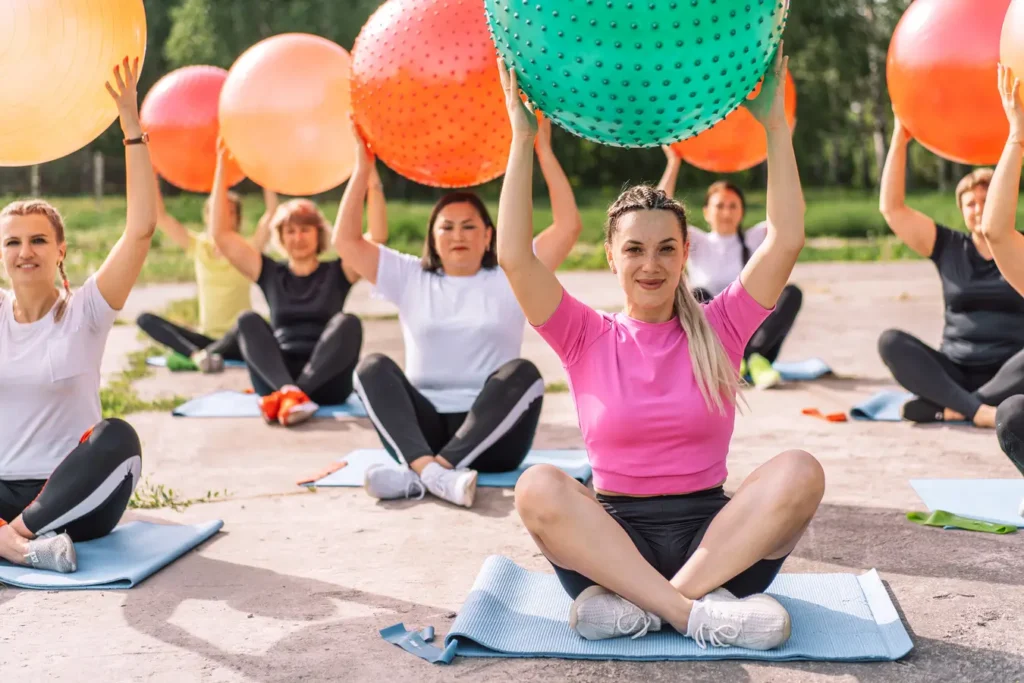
x=921, y=410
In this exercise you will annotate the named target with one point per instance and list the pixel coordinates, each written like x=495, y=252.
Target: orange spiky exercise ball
x=427, y=95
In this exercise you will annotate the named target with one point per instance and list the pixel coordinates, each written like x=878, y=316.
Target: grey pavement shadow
x=865, y=538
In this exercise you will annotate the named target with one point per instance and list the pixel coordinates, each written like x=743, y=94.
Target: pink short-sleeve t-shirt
x=646, y=426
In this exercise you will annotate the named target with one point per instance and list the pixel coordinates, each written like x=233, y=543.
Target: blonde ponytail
x=717, y=380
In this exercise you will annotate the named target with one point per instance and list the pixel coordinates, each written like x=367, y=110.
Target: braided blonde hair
x=38, y=207
x=717, y=380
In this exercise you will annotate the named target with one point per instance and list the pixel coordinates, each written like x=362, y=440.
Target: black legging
x=767, y=341
x=1010, y=429
x=186, y=342
x=494, y=436
x=87, y=493
x=325, y=374
x=932, y=376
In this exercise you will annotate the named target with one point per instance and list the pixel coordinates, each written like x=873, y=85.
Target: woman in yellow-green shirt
x=224, y=293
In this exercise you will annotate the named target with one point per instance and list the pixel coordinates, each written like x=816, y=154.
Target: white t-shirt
x=716, y=260
x=457, y=330
x=50, y=382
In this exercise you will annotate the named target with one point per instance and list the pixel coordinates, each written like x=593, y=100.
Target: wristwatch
x=141, y=140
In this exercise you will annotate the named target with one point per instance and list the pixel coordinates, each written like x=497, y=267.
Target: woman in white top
x=466, y=401
x=717, y=258
x=65, y=474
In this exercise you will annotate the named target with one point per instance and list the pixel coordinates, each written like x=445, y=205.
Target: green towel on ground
x=179, y=363
x=948, y=520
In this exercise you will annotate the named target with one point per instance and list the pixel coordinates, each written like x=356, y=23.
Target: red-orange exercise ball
x=427, y=95
x=180, y=115
x=735, y=143
x=1011, y=44
x=941, y=72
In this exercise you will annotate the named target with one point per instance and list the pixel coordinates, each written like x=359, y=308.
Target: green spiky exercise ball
x=637, y=73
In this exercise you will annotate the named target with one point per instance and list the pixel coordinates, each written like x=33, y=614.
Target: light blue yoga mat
x=989, y=500
x=161, y=362
x=802, y=370
x=882, y=407
x=574, y=463
x=130, y=554
x=238, y=404
x=512, y=612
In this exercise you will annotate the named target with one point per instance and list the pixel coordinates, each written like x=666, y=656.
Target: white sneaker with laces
x=458, y=487
x=387, y=483
x=756, y=622
x=597, y=613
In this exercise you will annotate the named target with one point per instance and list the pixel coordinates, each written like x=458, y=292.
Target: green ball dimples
x=637, y=73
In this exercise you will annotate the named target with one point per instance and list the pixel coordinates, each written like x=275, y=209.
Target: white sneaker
x=387, y=483
x=756, y=622
x=55, y=553
x=597, y=613
x=458, y=487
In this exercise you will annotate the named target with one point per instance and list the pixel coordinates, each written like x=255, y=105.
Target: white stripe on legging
x=535, y=391
x=132, y=465
x=373, y=417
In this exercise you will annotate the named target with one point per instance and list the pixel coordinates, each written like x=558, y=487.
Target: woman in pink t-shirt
x=655, y=390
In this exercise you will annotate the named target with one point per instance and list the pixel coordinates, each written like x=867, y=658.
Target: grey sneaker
x=387, y=483
x=756, y=622
x=597, y=613
x=53, y=553
x=458, y=487
x=208, y=362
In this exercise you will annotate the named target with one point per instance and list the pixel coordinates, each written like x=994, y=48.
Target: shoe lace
x=638, y=618
x=714, y=636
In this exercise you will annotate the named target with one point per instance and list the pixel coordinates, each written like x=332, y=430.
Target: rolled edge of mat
x=886, y=616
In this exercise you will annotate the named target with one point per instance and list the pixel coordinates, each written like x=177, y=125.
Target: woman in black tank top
x=306, y=354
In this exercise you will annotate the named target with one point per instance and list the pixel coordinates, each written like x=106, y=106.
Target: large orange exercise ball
x=180, y=115
x=735, y=143
x=284, y=114
x=941, y=72
x=427, y=95
x=1011, y=44
x=55, y=56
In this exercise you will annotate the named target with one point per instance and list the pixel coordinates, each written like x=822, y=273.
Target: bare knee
x=540, y=495
x=805, y=478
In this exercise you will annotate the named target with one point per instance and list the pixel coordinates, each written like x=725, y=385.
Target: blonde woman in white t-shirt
x=66, y=475
x=466, y=401
x=718, y=256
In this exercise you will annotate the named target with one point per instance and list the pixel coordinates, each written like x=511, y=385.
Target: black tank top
x=301, y=306
x=984, y=316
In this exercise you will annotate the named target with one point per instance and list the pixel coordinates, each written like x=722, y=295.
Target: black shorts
x=667, y=531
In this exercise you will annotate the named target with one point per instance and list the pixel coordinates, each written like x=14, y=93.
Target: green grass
x=842, y=214
x=119, y=398
x=152, y=497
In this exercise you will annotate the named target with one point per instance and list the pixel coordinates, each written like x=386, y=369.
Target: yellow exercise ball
x=55, y=56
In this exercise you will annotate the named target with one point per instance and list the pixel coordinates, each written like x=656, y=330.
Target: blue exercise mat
x=802, y=370
x=130, y=554
x=989, y=500
x=238, y=404
x=161, y=362
x=885, y=406
x=512, y=612
x=574, y=463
